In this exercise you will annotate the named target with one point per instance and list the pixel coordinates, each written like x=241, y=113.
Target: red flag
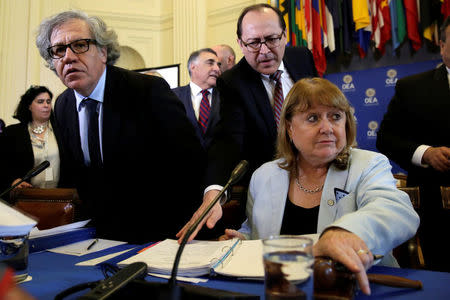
x=412, y=23
x=445, y=8
x=385, y=30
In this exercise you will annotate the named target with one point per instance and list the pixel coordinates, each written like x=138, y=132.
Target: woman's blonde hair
x=305, y=94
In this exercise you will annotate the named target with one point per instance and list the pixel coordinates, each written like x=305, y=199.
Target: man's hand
x=438, y=158
x=348, y=249
x=22, y=185
x=211, y=218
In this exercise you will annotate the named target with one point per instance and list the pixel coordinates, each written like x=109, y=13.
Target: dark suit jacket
x=17, y=156
x=184, y=93
x=150, y=182
x=247, y=129
x=418, y=114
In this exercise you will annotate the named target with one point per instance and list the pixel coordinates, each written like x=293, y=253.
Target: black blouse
x=299, y=220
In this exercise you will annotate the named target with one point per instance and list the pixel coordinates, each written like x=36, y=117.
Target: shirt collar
x=97, y=93
x=195, y=89
x=281, y=68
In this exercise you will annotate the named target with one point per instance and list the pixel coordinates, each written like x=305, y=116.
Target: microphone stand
x=35, y=171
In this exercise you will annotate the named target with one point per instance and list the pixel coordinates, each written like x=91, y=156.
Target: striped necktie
x=205, y=108
x=93, y=132
x=277, y=96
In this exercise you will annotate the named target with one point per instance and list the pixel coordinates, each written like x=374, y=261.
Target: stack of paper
x=13, y=222
x=198, y=257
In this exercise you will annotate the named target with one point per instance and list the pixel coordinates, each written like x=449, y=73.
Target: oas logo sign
x=348, y=85
x=372, y=132
x=370, y=98
x=391, y=79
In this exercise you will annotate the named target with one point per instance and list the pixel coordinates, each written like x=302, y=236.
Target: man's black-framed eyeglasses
x=270, y=42
x=78, y=47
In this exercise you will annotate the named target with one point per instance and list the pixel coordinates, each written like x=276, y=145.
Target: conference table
x=52, y=273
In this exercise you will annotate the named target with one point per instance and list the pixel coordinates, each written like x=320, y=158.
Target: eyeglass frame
x=69, y=45
x=249, y=48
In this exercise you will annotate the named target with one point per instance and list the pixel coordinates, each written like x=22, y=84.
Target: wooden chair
x=409, y=254
x=445, y=193
x=401, y=179
x=50, y=207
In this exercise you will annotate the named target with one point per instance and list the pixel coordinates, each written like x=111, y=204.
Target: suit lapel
x=262, y=103
x=111, y=112
x=73, y=131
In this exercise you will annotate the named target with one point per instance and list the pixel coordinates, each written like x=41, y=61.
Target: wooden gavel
x=329, y=275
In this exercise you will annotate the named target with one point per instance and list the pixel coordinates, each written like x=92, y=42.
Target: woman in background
x=30, y=142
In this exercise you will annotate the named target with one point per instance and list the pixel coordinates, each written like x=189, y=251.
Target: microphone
x=236, y=175
x=172, y=290
x=33, y=172
x=36, y=170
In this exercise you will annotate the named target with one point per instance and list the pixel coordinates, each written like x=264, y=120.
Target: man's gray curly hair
x=104, y=37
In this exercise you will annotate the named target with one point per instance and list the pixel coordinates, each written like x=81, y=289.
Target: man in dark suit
x=415, y=134
x=125, y=135
x=200, y=97
x=248, y=128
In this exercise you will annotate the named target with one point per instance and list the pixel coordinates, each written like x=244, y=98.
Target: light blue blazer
x=374, y=209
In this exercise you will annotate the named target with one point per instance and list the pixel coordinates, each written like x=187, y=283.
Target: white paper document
x=234, y=258
x=60, y=229
x=81, y=248
x=13, y=222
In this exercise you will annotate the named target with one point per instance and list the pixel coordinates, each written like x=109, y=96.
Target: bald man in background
x=226, y=55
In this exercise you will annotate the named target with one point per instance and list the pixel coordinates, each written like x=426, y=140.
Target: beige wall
x=151, y=33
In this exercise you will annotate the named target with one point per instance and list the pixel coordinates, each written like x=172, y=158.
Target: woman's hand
x=350, y=250
x=231, y=234
x=22, y=185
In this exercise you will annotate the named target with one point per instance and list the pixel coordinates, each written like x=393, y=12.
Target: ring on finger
x=362, y=251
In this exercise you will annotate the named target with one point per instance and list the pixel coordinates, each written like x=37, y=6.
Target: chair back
x=414, y=195
x=445, y=193
x=409, y=254
x=50, y=207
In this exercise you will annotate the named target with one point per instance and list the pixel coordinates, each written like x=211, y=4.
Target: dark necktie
x=93, y=135
x=205, y=108
x=277, y=96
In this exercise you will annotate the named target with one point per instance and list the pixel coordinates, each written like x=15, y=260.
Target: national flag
x=445, y=8
x=334, y=8
x=348, y=26
x=398, y=26
x=284, y=6
x=361, y=18
x=430, y=12
x=317, y=37
x=301, y=23
x=412, y=22
x=385, y=30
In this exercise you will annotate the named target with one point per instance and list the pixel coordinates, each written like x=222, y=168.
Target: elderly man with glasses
x=125, y=135
x=252, y=94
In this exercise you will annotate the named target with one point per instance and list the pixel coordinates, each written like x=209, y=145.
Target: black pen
x=92, y=244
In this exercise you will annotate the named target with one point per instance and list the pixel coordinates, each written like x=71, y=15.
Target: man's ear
x=103, y=54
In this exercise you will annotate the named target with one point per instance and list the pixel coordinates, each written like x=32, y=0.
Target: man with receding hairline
x=200, y=97
x=226, y=55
